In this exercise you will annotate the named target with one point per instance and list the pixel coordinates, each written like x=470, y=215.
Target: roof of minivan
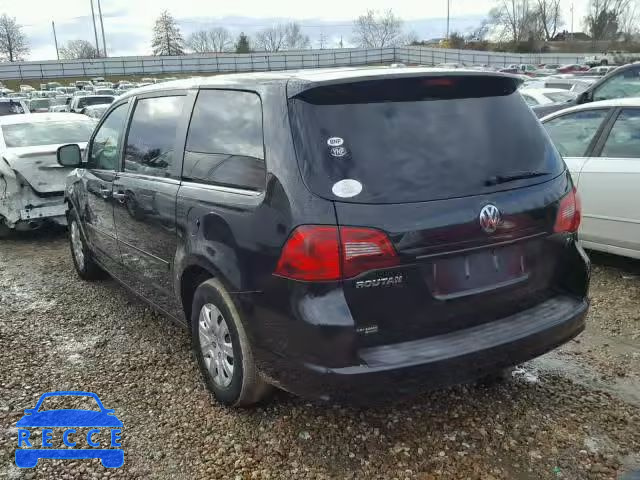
x=310, y=77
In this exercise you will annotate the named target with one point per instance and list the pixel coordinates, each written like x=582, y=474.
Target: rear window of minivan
x=419, y=139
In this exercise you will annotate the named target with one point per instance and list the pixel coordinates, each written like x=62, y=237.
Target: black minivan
x=336, y=233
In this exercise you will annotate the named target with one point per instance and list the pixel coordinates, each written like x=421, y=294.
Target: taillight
x=312, y=253
x=365, y=249
x=325, y=253
x=569, y=213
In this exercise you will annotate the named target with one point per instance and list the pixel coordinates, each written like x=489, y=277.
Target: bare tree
x=13, y=42
x=375, y=31
x=294, y=39
x=271, y=39
x=76, y=49
x=167, y=39
x=605, y=16
x=549, y=17
x=199, y=42
x=628, y=22
x=221, y=40
x=515, y=20
x=214, y=40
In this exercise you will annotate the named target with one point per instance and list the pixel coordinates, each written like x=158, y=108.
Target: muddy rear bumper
x=443, y=360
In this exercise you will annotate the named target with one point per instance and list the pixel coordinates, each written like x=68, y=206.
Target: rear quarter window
x=225, y=143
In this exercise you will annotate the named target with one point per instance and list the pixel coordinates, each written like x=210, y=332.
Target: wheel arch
x=196, y=270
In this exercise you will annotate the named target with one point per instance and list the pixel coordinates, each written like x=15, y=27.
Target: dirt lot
x=572, y=414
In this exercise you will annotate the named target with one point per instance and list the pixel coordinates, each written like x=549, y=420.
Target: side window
x=623, y=85
x=103, y=152
x=152, y=135
x=572, y=133
x=624, y=138
x=225, y=140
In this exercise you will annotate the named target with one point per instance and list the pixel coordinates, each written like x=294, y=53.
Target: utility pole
x=341, y=44
x=104, y=42
x=448, y=16
x=95, y=30
x=572, y=21
x=55, y=38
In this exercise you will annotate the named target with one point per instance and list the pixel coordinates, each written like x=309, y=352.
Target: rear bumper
x=434, y=362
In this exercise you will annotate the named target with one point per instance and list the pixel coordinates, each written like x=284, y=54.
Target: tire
x=85, y=265
x=216, y=325
x=497, y=378
x=5, y=231
x=604, y=62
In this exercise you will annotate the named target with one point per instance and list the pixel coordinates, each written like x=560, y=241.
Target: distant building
x=565, y=36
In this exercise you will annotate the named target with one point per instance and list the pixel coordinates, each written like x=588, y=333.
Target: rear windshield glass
x=86, y=101
x=47, y=133
x=10, y=108
x=418, y=139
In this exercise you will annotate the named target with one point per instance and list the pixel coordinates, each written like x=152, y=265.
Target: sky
x=128, y=23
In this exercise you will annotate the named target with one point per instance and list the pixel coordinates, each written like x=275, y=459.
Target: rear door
x=610, y=186
x=145, y=193
x=426, y=160
x=574, y=135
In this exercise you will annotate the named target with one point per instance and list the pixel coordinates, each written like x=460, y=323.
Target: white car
x=545, y=96
x=600, y=143
x=31, y=179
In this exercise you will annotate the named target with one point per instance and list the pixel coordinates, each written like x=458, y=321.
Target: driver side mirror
x=585, y=97
x=69, y=155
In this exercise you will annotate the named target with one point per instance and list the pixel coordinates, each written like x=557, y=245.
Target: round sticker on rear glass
x=335, y=142
x=346, y=188
x=337, y=152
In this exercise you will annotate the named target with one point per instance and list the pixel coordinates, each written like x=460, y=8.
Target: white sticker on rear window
x=335, y=142
x=338, y=151
x=346, y=188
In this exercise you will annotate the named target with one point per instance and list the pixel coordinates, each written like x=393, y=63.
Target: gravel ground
x=572, y=414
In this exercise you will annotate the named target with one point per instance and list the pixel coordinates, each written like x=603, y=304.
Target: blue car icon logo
x=69, y=419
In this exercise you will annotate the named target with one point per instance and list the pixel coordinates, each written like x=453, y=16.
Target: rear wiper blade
x=498, y=179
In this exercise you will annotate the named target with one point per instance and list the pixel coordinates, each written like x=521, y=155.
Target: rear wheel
x=85, y=265
x=222, y=348
x=497, y=377
x=5, y=231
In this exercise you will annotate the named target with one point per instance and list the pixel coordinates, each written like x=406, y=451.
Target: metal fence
x=253, y=62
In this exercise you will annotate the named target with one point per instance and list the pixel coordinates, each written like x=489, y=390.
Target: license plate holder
x=477, y=272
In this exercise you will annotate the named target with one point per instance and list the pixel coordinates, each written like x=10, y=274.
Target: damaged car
x=31, y=180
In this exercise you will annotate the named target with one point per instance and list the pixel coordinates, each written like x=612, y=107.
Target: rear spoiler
x=296, y=86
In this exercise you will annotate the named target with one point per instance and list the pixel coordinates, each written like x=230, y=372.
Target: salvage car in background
x=546, y=96
x=600, y=143
x=78, y=103
x=31, y=180
x=623, y=82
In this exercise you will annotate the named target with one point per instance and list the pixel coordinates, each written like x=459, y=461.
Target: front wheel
x=85, y=265
x=222, y=347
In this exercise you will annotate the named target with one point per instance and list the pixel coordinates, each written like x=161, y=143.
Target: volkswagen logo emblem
x=490, y=218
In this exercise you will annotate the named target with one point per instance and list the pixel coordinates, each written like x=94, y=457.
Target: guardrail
x=263, y=61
